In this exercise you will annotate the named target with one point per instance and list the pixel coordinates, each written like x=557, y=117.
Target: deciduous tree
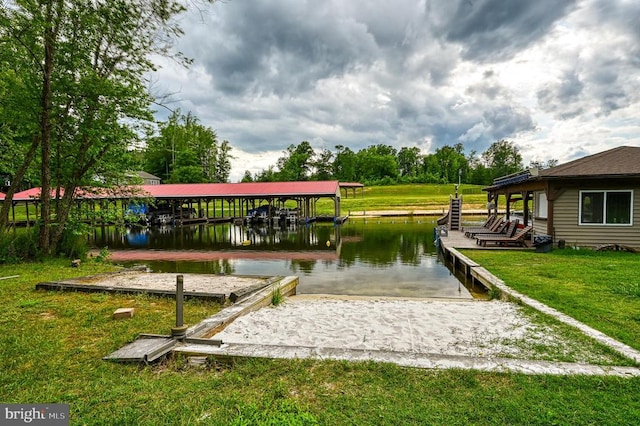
x=502, y=158
x=322, y=165
x=83, y=66
x=184, y=142
x=296, y=163
x=409, y=161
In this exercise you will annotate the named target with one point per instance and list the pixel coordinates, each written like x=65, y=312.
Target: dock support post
x=180, y=330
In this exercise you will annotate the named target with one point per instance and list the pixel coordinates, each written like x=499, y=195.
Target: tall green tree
x=377, y=162
x=267, y=175
x=537, y=164
x=84, y=65
x=478, y=173
x=296, y=163
x=502, y=158
x=246, y=177
x=322, y=165
x=223, y=163
x=446, y=163
x=183, y=142
x=344, y=164
x=409, y=161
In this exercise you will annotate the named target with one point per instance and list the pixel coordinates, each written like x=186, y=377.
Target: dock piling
x=179, y=331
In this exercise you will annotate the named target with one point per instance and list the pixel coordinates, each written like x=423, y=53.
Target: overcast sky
x=561, y=79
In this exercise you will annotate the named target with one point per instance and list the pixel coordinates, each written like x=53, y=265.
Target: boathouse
x=203, y=201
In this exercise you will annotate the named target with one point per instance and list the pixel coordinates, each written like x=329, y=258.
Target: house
x=148, y=178
x=586, y=202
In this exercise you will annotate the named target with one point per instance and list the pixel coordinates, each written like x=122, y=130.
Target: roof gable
x=620, y=161
x=145, y=175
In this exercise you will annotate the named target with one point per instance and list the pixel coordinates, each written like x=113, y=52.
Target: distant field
x=405, y=197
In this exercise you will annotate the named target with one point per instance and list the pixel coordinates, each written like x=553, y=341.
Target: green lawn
x=601, y=289
x=404, y=197
x=52, y=344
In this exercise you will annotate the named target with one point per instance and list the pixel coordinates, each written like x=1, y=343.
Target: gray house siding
x=567, y=227
x=539, y=226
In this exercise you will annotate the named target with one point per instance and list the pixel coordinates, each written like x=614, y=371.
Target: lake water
x=373, y=257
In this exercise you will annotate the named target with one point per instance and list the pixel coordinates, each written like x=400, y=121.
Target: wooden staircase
x=455, y=213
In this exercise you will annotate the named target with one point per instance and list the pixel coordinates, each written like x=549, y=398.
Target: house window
x=606, y=207
x=540, y=205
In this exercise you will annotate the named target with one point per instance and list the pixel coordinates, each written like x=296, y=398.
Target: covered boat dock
x=202, y=202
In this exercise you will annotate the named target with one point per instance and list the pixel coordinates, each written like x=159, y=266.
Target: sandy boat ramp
x=428, y=333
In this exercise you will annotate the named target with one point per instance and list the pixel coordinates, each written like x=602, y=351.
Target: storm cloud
x=425, y=73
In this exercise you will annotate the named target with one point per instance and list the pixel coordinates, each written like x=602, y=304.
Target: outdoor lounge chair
x=507, y=230
x=517, y=239
x=490, y=225
x=491, y=219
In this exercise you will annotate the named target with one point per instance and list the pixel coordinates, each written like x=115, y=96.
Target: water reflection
x=395, y=257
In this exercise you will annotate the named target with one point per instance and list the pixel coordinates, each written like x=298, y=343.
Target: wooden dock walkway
x=457, y=239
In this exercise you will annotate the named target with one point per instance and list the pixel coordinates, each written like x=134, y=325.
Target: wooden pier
x=451, y=241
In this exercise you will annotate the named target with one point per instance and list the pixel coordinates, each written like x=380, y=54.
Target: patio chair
x=518, y=239
x=507, y=230
x=490, y=225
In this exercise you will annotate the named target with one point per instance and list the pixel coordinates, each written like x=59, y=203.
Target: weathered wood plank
x=89, y=288
x=144, y=349
x=12, y=276
x=238, y=295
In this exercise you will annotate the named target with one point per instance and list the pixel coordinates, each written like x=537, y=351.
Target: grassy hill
x=406, y=197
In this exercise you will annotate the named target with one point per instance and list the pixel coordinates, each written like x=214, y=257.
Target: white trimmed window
x=606, y=208
x=540, y=207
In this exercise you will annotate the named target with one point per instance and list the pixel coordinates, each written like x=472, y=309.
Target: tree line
x=384, y=165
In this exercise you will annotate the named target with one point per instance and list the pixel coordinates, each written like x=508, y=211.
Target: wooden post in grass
x=179, y=300
x=179, y=331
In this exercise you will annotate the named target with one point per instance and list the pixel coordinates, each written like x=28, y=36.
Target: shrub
x=18, y=246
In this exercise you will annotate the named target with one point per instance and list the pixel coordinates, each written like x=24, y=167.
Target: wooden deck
x=456, y=239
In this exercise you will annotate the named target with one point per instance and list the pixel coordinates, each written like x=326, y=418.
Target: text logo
x=34, y=414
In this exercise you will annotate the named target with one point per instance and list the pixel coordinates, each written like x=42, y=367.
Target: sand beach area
x=446, y=327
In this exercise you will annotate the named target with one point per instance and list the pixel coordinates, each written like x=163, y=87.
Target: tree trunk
x=17, y=179
x=50, y=35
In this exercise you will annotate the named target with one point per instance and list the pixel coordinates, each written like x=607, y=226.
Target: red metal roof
x=205, y=190
x=29, y=194
x=246, y=189
x=94, y=193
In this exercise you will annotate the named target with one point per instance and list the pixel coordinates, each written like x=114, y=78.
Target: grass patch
x=276, y=297
x=402, y=197
x=552, y=340
x=627, y=289
x=599, y=289
x=494, y=293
